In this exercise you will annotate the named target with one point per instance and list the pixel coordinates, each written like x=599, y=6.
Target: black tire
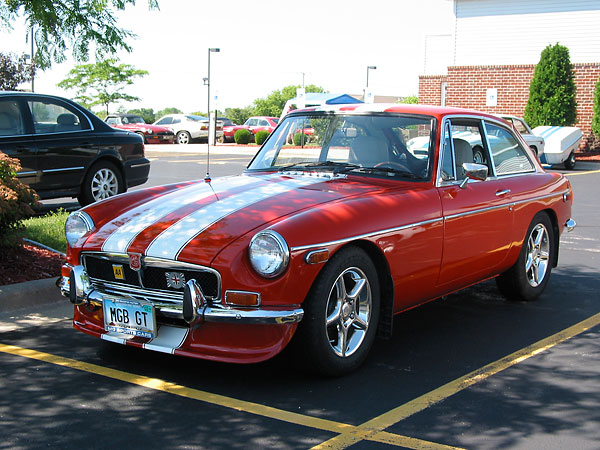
x=528, y=277
x=103, y=180
x=183, y=137
x=570, y=162
x=342, y=346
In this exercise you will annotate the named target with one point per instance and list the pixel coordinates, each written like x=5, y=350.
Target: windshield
x=132, y=119
x=379, y=145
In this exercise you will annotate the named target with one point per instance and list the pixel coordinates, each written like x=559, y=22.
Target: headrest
x=66, y=119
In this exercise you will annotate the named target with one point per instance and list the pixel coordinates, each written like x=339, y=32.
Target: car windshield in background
x=377, y=145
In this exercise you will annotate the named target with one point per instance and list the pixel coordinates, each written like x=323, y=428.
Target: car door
x=477, y=215
x=64, y=144
x=16, y=140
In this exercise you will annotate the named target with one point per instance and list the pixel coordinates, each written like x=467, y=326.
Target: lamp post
x=368, y=68
x=207, y=82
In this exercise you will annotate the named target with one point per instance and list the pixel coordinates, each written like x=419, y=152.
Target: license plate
x=133, y=317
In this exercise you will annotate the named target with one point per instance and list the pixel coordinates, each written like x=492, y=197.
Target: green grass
x=48, y=230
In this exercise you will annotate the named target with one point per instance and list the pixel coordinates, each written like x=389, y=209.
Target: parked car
x=253, y=124
x=534, y=141
x=227, y=122
x=321, y=243
x=151, y=134
x=188, y=127
x=66, y=151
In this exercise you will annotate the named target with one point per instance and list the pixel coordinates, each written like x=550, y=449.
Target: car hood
x=194, y=223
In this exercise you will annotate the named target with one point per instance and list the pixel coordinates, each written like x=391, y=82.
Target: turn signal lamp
x=317, y=256
x=241, y=298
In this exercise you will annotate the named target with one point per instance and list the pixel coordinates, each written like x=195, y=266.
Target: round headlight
x=269, y=253
x=78, y=224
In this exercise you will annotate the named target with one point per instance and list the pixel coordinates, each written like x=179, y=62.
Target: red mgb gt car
x=321, y=243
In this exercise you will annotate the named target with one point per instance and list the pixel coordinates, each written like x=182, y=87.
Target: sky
x=264, y=46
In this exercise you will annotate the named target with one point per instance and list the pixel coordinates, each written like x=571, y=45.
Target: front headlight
x=269, y=253
x=148, y=130
x=78, y=224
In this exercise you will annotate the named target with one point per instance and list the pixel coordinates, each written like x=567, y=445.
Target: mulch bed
x=28, y=262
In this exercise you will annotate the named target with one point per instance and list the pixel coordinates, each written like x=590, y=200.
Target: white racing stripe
x=149, y=213
x=172, y=240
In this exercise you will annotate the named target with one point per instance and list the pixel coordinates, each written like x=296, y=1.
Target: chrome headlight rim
x=84, y=220
x=284, y=251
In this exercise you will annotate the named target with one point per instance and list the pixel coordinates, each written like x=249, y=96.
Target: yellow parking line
x=220, y=400
x=406, y=410
x=581, y=173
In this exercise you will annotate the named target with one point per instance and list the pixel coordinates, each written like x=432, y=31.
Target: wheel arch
x=110, y=158
x=386, y=285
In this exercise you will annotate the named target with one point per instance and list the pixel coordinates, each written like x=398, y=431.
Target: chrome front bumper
x=194, y=308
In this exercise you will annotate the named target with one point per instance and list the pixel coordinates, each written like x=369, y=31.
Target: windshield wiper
x=388, y=170
x=335, y=167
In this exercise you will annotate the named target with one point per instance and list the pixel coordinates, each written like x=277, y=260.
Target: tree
x=238, y=115
x=102, y=83
x=164, y=112
x=552, y=90
x=596, y=119
x=75, y=24
x=273, y=104
x=14, y=70
x=146, y=113
x=411, y=99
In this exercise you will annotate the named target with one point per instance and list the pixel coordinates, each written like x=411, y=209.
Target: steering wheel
x=393, y=165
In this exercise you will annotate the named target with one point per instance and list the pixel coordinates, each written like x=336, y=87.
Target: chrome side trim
x=367, y=235
x=66, y=169
x=135, y=166
x=570, y=225
x=478, y=211
x=22, y=174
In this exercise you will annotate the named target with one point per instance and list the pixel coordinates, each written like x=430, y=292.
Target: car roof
x=430, y=110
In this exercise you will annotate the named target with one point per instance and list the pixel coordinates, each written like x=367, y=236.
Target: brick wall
x=467, y=86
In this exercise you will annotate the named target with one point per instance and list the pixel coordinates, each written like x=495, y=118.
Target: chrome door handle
x=502, y=192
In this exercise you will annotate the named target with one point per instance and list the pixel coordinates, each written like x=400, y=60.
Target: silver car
x=535, y=142
x=188, y=127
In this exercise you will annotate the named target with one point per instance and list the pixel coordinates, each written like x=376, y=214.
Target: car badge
x=135, y=261
x=175, y=280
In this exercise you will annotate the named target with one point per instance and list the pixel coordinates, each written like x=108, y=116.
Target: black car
x=66, y=151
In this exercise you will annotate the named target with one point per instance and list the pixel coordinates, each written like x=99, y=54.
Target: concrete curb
x=29, y=293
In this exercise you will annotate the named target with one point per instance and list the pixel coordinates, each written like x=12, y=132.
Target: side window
x=51, y=117
x=263, y=123
x=447, y=172
x=112, y=121
x=508, y=155
x=11, y=120
x=175, y=120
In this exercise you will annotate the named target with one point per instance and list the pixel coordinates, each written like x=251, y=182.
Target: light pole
x=207, y=81
x=368, y=68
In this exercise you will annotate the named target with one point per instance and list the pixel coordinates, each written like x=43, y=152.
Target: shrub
x=261, y=136
x=299, y=140
x=17, y=201
x=596, y=119
x=552, y=90
x=242, y=136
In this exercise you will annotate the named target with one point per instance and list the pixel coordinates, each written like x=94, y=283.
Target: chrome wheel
x=183, y=137
x=348, y=311
x=538, y=255
x=104, y=184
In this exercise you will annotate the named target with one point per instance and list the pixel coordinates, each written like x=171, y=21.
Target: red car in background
x=253, y=124
x=152, y=134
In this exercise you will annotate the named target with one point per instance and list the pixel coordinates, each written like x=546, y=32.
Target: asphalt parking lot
x=471, y=371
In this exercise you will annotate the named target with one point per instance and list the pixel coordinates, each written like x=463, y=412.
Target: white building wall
x=493, y=32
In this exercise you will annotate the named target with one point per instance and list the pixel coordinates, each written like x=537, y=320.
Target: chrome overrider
x=570, y=225
x=194, y=308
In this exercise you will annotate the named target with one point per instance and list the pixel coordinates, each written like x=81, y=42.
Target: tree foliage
x=596, y=118
x=273, y=104
x=552, y=90
x=70, y=24
x=102, y=83
x=165, y=111
x=239, y=115
x=146, y=113
x=411, y=100
x=14, y=70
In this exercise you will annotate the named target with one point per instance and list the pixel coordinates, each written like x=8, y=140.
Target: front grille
x=151, y=280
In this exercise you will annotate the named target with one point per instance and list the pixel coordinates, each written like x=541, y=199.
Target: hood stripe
x=171, y=241
x=149, y=213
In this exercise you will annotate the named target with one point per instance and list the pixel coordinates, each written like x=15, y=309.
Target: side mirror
x=473, y=171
